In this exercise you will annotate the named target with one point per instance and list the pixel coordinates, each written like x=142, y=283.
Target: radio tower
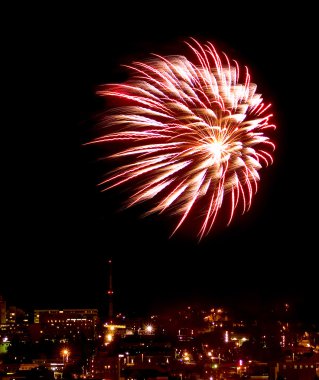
x=110, y=292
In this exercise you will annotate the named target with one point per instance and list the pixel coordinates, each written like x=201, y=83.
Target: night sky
x=59, y=230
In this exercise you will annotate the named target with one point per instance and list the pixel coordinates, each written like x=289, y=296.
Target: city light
x=65, y=355
x=149, y=329
x=109, y=338
x=133, y=354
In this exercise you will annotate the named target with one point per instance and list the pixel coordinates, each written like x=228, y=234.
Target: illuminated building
x=185, y=334
x=67, y=324
x=301, y=368
x=12, y=315
x=113, y=330
x=16, y=323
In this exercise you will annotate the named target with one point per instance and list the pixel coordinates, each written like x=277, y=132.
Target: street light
x=149, y=329
x=65, y=355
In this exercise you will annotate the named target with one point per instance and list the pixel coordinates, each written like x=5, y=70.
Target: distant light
x=186, y=356
x=149, y=328
x=65, y=353
x=226, y=337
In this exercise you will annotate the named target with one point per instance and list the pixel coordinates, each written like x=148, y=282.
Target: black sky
x=59, y=230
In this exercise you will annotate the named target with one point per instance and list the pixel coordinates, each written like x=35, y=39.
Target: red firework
x=194, y=135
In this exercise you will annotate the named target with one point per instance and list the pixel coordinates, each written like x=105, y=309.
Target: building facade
x=67, y=324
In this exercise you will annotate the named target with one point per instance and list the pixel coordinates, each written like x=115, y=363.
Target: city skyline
x=60, y=230
x=191, y=339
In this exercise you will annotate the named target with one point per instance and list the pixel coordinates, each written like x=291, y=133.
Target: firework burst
x=193, y=132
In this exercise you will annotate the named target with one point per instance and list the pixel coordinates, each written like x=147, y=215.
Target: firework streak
x=193, y=134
